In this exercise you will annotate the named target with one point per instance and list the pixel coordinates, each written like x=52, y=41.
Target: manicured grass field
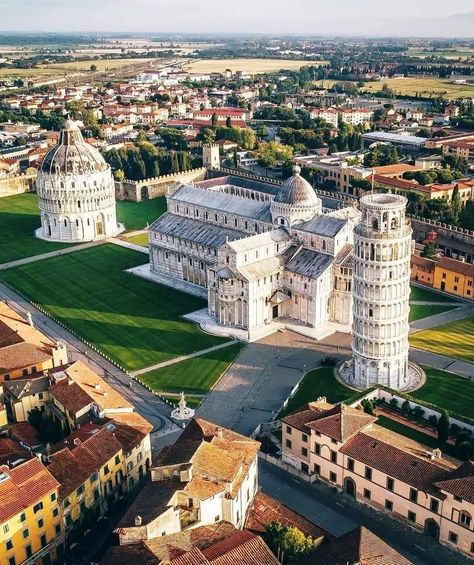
x=419, y=311
x=450, y=391
x=134, y=321
x=140, y=239
x=136, y=215
x=320, y=382
x=455, y=339
x=197, y=375
x=19, y=217
x=419, y=294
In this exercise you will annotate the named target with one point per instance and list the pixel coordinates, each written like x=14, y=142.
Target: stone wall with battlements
x=17, y=184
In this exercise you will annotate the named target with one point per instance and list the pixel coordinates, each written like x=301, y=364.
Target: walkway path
x=146, y=403
x=444, y=318
x=128, y=244
x=181, y=358
x=462, y=368
x=50, y=254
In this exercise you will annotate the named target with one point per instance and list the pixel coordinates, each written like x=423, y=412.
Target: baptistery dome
x=76, y=191
x=295, y=201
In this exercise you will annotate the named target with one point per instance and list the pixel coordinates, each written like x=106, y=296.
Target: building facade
x=382, y=469
x=76, y=191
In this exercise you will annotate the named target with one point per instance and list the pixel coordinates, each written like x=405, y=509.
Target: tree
x=93, y=68
x=456, y=206
x=463, y=435
x=406, y=407
x=466, y=217
x=273, y=153
x=464, y=450
x=228, y=122
x=443, y=427
x=214, y=120
x=289, y=540
x=119, y=175
x=429, y=250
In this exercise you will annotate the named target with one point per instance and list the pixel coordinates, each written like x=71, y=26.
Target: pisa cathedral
x=271, y=256
x=76, y=191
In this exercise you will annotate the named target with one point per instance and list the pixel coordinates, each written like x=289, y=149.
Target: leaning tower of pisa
x=382, y=251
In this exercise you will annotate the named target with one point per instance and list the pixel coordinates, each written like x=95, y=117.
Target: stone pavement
x=262, y=377
x=182, y=358
x=72, y=249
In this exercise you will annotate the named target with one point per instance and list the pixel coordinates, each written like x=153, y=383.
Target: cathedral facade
x=263, y=253
x=76, y=192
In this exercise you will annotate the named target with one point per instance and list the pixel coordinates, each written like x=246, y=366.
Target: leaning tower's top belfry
x=382, y=252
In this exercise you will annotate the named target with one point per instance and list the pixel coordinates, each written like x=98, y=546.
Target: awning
x=278, y=297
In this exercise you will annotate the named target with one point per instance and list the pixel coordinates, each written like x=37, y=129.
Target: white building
x=381, y=263
x=76, y=192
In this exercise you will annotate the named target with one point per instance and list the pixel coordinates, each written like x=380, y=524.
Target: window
x=38, y=507
x=411, y=516
x=55, y=512
x=57, y=529
x=317, y=469
x=28, y=551
x=472, y=547
x=288, y=430
x=465, y=519
x=334, y=456
x=304, y=452
x=6, y=528
x=25, y=372
x=389, y=505
x=217, y=518
x=457, y=498
x=106, y=469
x=453, y=537
x=288, y=443
x=80, y=490
x=40, y=523
x=22, y=517
x=66, y=502
x=434, y=505
x=332, y=477
x=413, y=495
x=117, y=459
x=94, y=477
x=9, y=544
x=11, y=561
x=304, y=438
x=43, y=540
x=368, y=473
x=367, y=494
x=334, y=441
x=317, y=449
x=350, y=464
x=26, y=533
x=96, y=494
x=390, y=484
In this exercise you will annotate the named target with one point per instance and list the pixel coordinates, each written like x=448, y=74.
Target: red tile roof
x=460, y=482
x=23, y=486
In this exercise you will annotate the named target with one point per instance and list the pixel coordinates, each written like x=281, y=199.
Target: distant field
x=423, y=87
x=60, y=69
x=463, y=53
x=249, y=65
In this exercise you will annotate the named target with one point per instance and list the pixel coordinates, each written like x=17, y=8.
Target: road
x=151, y=407
x=339, y=514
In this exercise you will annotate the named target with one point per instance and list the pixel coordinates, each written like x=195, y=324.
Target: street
x=338, y=514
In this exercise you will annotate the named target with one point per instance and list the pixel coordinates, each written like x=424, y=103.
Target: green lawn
x=316, y=383
x=19, y=217
x=140, y=239
x=419, y=311
x=455, y=339
x=136, y=215
x=196, y=375
x=450, y=391
x=415, y=435
x=136, y=322
x=419, y=294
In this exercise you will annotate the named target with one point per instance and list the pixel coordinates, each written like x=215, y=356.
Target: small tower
x=210, y=156
x=381, y=270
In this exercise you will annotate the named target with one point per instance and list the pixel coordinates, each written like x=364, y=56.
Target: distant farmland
x=424, y=87
x=253, y=66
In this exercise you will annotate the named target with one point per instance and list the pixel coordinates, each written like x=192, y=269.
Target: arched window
x=465, y=519
x=394, y=224
x=375, y=224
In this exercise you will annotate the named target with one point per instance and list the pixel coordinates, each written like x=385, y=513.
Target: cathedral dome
x=297, y=191
x=72, y=155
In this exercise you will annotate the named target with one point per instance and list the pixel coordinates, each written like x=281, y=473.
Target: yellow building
x=30, y=517
x=22, y=395
x=455, y=277
x=24, y=350
x=3, y=416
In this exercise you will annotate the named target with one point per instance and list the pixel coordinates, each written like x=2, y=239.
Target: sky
x=344, y=17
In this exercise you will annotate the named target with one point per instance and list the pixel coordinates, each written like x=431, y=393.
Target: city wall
x=17, y=184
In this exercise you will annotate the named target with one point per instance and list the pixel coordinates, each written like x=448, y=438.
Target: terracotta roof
x=26, y=433
x=71, y=469
x=460, y=482
x=11, y=451
x=133, y=554
x=25, y=485
x=71, y=396
x=395, y=182
x=216, y=462
x=358, y=546
x=202, y=489
x=266, y=509
x=398, y=168
x=242, y=548
x=456, y=266
x=423, y=262
x=338, y=422
x=398, y=457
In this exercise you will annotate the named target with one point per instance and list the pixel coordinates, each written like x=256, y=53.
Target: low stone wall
x=150, y=188
x=17, y=184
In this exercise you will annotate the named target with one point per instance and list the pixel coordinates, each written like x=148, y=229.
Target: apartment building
x=210, y=474
x=389, y=472
x=356, y=116
x=24, y=350
x=30, y=520
x=463, y=149
x=329, y=115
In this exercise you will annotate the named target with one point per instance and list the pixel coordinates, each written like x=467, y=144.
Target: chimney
x=29, y=319
x=97, y=386
x=138, y=520
x=220, y=432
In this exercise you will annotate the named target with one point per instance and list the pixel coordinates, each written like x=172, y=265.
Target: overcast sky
x=270, y=16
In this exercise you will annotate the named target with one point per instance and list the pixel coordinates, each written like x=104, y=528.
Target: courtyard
x=135, y=322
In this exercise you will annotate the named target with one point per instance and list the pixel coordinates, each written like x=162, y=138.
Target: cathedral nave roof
x=309, y=263
x=324, y=225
